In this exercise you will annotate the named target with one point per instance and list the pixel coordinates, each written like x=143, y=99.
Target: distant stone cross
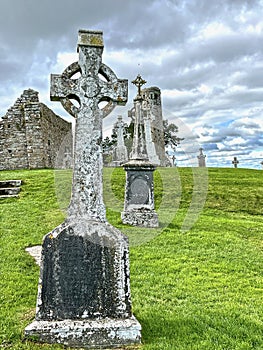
x=88, y=90
x=120, y=127
x=235, y=162
x=201, y=158
x=139, y=82
x=138, y=146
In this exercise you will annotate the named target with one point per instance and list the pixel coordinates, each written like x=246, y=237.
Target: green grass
x=200, y=288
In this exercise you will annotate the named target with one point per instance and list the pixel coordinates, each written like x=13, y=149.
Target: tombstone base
x=88, y=334
x=140, y=217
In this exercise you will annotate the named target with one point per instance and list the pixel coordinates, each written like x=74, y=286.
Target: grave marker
x=139, y=195
x=84, y=288
x=201, y=158
x=235, y=162
x=120, y=154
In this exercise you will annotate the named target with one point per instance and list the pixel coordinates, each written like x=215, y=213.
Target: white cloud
x=205, y=56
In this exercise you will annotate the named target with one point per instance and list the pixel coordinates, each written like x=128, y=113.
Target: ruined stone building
x=32, y=136
x=153, y=125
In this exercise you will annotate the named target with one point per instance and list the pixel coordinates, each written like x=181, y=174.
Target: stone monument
x=139, y=195
x=235, y=162
x=201, y=158
x=120, y=153
x=173, y=160
x=84, y=288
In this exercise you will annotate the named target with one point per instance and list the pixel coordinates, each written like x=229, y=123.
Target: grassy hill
x=196, y=282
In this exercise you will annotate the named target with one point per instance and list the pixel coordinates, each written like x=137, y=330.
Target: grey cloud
x=34, y=32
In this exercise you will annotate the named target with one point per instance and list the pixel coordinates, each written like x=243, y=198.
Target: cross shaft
x=89, y=90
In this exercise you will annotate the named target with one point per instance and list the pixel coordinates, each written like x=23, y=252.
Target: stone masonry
x=153, y=96
x=153, y=121
x=31, y=135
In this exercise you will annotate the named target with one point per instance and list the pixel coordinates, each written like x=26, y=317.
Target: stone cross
x=88, y=90
x=138, y=145
x=201, y=158
x=139, y=82
x=174, y=160
x=235, y=162
x=84, y=291
x=120, y=153
x=139, y=189
x=120, y=125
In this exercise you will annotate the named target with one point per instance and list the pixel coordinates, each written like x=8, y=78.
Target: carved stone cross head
x=139, y=81
x=96, y=83
x=235, y=162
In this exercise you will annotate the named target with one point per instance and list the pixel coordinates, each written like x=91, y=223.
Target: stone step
x=9, y=191
x=9, y=196
x=10, y=183
x=9, y=188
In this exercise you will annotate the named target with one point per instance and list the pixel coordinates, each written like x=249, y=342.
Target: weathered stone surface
x=120, y=153
x=150, y=145
x=152, y=121
x=201, y=158
x=31, y=134
x=10, y=188
x=84, y=273
x=139, y=195
x=35, y=252
x=84, y=288
x=10, y=183
x=88, y=334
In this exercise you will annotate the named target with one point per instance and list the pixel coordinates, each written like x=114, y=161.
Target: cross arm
x=61, y=87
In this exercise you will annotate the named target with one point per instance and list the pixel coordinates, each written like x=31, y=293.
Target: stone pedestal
x=139, y=195
x=84, y=290
x=92, y=334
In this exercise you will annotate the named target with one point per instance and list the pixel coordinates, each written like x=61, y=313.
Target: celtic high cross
x=88, y=90
x=84, y=287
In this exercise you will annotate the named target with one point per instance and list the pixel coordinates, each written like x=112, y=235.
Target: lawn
x=196, y=282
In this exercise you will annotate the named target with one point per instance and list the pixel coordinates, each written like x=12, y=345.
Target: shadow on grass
x=201, y=330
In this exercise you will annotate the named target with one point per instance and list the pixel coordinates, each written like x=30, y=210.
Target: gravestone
x=120, y=154
x=201, y=158
x=235, y=162
x=173, y=160
x=84, y=288
x=139, y=195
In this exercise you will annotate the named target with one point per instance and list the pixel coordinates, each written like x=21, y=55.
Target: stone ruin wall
x=153, y=95
x=31, y=135
x=57, y=137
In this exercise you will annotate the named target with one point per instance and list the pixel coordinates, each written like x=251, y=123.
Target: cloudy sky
x=205, y=56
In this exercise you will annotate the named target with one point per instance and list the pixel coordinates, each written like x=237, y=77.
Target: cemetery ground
x=196, y=289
